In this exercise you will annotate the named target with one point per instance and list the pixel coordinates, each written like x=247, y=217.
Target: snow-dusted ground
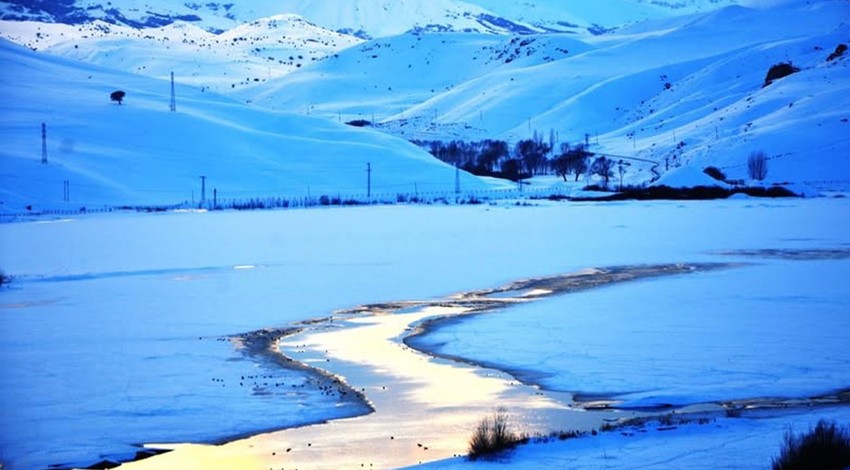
x=748, y=443
x=111, y=326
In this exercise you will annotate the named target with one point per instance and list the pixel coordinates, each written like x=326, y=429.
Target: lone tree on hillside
x=118, y=96
x=757, y=166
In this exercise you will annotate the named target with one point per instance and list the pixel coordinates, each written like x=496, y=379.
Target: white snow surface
x=687, y=177
x=139, y=153
x=111, y=322
x=721, y=444
x=606, y=13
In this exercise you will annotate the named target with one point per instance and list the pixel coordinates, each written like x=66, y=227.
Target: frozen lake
x=116, y=329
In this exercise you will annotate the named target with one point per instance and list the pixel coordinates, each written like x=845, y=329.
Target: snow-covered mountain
x=687, y=91
x=679, y=91
x=101, y=152
x=242, y=57
x=231, y=46
x=365, y=18
x=597, y=14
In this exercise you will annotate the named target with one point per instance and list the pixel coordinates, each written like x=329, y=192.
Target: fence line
x=321, y=200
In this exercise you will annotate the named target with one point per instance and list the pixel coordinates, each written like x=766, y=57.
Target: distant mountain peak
x=362, y=18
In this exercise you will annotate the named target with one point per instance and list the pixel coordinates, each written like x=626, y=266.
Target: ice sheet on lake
x=778, y=329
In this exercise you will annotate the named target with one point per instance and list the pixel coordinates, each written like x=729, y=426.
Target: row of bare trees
x=525, y=159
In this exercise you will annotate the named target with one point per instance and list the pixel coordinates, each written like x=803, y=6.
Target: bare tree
x=757, y=165
x=571, y=160
x=603, y=167
x=532, y=153
x=621, y=169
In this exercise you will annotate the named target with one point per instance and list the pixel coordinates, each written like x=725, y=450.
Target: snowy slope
x=388, y=77
x=140, y=153
x=685, y=91
x=603, y=14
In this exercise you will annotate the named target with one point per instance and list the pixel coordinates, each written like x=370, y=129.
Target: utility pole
x=44, y=143
x=66, y=190
x=457, y=179
x=369, y=180
x=173, y=105
x=203, y=190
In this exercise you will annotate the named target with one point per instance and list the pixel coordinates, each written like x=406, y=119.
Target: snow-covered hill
x=100, y=152
x=365, y=18
x=386, y=77
x=684, y=91
x=240, y=58
x=228, y=47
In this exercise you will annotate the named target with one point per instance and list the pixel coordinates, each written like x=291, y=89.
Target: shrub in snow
x=839, y=51
x=492, y=436
x=825, y=447
x=778, y=71
x=360, y=123
x=715, y=173
x=4, y=279
x=757, y=166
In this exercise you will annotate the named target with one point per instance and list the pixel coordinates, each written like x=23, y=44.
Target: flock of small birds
x=362, y=465
x=262, y=384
